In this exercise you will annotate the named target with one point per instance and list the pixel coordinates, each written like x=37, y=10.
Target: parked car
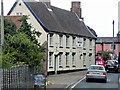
x=96, y=72
x=112, y=65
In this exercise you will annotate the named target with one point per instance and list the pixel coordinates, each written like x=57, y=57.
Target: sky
x=97, y=14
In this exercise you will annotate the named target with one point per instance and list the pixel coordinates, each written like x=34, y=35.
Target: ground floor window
x=60, y=59
x=50, y=59
x=67, y=59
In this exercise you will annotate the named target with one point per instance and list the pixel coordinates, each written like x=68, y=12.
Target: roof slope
x=46, y=17
x=71, y=23
x=106, y=39
x=58, y=20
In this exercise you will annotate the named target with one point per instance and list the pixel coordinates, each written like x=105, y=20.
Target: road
x=112, y=84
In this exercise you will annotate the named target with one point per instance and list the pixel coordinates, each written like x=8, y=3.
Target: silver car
x=96, y=72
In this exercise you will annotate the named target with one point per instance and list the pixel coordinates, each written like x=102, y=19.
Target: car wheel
x=105, y=81
x=87, y=80
x=118, y=70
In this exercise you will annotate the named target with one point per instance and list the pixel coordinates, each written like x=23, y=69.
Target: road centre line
x=77, y=82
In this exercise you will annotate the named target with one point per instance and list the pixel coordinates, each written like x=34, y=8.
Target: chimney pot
x=76, y=7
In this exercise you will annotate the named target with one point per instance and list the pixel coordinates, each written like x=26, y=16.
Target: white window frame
x=61, y=40
x=90, y=59
x=73, y=58
x=84, y=58
x=67, y=41
x=51, y=40
x=90, y=43
x=67, y=59
x=50, y=59
x=73, y=42
x=60, y=59
x=84, y=42
x=111, y=46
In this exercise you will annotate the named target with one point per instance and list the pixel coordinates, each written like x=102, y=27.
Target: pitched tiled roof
x=106, y=39
x=58, y=20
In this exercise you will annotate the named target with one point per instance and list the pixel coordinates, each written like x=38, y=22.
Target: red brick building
x=106, y=44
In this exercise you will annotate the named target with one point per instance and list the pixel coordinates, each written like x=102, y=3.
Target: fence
x=18, y=77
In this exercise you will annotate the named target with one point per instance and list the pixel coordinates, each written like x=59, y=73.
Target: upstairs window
x=84, y=42
x=111, y=46
x=51, y=40
x=90, y=42
x=73, y=42
x=61, y=40
x=67, y=41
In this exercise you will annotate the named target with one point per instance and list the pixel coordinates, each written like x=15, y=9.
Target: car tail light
x=87, y=72
x=116, y=66
x=104, y=73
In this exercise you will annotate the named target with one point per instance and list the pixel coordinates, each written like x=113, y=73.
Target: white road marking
x=108, y=80
x=77, y=83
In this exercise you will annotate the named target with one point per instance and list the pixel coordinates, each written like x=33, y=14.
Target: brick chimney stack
x=76, y=8
x=47, y=2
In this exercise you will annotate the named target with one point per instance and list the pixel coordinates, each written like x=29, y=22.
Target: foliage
x=106, y=55
x=21, y=46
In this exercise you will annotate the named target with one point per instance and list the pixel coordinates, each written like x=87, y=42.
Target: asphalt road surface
x=112, y=83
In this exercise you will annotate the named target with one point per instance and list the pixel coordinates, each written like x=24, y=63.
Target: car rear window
x=111, y=63
x=96, y=68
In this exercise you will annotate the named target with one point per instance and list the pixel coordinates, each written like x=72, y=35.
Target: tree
x=21, y=45
x=106, y=55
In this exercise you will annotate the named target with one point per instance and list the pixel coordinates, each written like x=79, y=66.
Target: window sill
x=74, y=48
x=60, y=46
x=67, y=47
x=67, y=66
x=51, y=46
x=60, y=66
x=73, y=66
x=51, y=67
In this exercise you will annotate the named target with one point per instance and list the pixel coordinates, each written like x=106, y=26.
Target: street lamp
x=113, y=37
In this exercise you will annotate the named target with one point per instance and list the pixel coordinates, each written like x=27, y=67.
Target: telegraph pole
x=2, y=28
x=1, y=43
x=1, y=32
x=113, y=37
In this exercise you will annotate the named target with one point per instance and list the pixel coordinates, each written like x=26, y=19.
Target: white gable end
x=21, y=9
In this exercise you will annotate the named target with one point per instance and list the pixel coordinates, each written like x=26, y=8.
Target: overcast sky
x=98, y=14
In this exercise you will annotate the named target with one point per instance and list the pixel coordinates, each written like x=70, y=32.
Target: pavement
x=65, y=80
